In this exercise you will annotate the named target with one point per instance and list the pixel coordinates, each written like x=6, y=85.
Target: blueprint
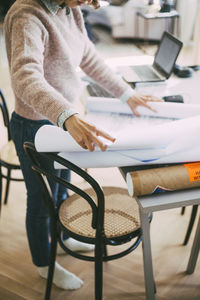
x=139, y=140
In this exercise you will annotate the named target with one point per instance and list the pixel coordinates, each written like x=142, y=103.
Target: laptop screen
x=166, y=54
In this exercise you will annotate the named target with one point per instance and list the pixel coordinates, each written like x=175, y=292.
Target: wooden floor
x=123, y=278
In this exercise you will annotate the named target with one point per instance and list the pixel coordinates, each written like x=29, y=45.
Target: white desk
x=190, y=89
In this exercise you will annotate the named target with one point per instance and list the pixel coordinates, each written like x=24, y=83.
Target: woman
x=46, y=41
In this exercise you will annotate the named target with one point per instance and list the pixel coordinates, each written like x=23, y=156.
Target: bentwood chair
x=99, y=216
x=8, y=157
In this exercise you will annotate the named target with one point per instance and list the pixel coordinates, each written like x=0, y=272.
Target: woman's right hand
x=86, y=134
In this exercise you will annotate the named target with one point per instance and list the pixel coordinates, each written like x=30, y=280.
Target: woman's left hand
x=141, y=100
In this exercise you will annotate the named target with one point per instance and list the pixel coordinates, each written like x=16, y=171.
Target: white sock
x=75, y=245
x=62, y=278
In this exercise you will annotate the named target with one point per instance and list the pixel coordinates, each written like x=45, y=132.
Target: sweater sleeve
x=25, y=39
x=94, y=66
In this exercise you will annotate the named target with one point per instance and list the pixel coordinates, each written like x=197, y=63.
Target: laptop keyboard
x=96, y=90
x=145, y=72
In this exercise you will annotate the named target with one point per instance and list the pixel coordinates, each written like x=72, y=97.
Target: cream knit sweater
x=44, y=51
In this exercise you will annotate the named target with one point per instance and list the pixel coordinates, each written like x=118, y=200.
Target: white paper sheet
x=125, y=158
x=163, y=109
x=143, y=140
x=53, y=139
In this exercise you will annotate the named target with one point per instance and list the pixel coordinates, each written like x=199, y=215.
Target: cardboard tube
x=150, y=181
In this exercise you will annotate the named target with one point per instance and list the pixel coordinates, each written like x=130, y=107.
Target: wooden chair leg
x=195, y=251
x=98, y=270
x=183, y=210
x=7, y=186
x=191, y=223
x=105, y=252
x=52, y=260
x=0, y=189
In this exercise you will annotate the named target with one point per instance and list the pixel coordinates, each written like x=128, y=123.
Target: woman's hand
x=85, y=134
x=141, y=100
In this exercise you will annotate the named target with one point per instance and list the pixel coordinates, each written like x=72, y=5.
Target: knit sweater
x=44, y=51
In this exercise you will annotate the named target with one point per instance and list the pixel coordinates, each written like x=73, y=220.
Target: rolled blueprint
x=160, y=109
x=185, y=132
x=172, y=142
x=163, y=179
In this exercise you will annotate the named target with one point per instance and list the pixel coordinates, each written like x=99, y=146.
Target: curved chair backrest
x=4, y=110
x=43, y=174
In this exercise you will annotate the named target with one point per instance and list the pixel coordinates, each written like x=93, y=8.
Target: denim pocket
x=16, y=130
x=24, y=130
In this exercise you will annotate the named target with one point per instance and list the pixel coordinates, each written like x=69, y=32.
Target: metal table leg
x=147, y=257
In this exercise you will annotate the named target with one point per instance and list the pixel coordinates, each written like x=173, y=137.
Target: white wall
x=187, y=10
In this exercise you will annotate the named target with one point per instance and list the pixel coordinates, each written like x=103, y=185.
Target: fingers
x=148, y=106
x=92, y=140
x=151, y=98
x=85, y=134
x=99, y=132
x=98, y=142
x=141, y=100
x=105, y=135
x=134, y=110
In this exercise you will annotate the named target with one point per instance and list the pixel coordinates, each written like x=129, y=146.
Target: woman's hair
x=95, y=4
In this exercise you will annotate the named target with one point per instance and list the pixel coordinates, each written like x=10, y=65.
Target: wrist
x=127, y=95
x=69, y=122
x=66, y=114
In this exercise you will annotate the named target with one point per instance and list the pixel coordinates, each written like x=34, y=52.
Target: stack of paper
x=169, y=142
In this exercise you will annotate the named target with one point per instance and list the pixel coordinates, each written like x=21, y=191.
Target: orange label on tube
x=193, y=171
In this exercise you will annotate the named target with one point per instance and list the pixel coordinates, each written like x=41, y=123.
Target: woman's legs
x=37, y=221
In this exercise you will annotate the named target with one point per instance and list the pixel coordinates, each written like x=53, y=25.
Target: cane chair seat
x=121, y=214
x=8, y=154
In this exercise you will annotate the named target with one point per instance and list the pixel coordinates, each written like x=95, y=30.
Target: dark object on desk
x=98, y=216
x=166, y=6
x=96, y=90
x=183, y=72
x=117, y=2
x=194, y=67
x=163, y=64
x=174, y=98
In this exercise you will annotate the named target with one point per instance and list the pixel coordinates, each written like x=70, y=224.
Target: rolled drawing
x=163, y=179
x=161, y=109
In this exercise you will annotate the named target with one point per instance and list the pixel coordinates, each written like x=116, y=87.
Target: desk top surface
x=187, y=87
x=169, y=200
x=159, y=15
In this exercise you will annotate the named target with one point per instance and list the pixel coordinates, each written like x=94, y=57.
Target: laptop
x=163, y=64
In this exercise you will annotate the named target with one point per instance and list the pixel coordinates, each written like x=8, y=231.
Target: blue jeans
x=37, y=220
